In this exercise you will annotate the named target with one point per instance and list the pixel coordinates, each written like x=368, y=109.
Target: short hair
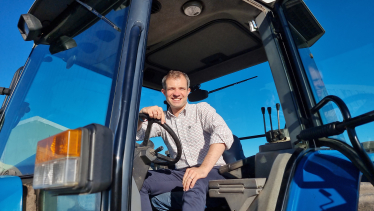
x=175, y=74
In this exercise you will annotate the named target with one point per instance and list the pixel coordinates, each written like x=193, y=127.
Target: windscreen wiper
x=106, y=20
x=224, y=87
x=198, y=94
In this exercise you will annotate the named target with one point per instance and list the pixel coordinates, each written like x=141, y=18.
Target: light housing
x=29, y=26
x=192, y=8
x=63, y=43
x=75, y=161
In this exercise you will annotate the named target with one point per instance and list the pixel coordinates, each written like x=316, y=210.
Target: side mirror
x=198, y=95
x=75, y=161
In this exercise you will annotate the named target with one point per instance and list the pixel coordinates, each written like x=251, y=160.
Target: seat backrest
x=235, y=152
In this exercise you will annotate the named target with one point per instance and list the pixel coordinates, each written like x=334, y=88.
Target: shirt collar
x=184, y=112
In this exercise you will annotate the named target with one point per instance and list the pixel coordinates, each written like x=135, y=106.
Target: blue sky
x=344, y=56
x=14, y=50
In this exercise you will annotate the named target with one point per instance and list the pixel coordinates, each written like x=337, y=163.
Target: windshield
x=239, y=105
x=57, y=92
x=342, y=60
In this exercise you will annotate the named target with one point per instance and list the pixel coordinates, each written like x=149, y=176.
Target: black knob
x=159, y=149
x=277, y=106
x=263, y=110
x=269, y=110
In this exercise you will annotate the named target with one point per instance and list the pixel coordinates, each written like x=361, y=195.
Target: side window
x=342, y=60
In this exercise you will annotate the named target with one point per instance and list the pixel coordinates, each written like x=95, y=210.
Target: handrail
x=339, y=102
x=348, y=124
x=120, y=135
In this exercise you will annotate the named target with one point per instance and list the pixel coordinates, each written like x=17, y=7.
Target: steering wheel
x=161, y=159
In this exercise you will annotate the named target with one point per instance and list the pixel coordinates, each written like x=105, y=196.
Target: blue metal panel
x=10, y=193
x=324, y=180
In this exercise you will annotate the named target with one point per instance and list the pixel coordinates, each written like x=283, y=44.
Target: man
x=204, y=136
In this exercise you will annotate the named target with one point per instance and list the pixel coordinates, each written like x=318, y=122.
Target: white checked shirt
x=197, y=126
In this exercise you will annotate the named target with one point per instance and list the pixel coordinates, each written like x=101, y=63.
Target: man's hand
x=192, y=175
x=154, y=112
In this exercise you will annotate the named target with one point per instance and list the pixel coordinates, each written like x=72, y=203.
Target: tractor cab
x=68, y=126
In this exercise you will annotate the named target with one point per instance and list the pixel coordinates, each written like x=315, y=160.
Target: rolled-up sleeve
x=215, y=125
x=155, y=131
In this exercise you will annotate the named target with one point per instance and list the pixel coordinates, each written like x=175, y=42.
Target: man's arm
x=221, y=138
x=193, y=174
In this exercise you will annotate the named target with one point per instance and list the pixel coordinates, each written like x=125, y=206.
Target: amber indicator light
x=63, y=145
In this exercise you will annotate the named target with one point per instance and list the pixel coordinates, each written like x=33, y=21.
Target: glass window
x=342, y=60
x=84, y=202
x=57, y=92
x=239, y=105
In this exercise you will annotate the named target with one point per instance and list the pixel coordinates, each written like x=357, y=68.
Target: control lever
x=153, y=152
x=159, y=149
x=271, y=123
x=277, y=106
x=280, y=135
x=263, y=116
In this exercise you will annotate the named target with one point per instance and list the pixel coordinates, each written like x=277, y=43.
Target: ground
x=366, y=201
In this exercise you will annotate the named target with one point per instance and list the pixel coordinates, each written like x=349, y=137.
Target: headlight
x=75, y=161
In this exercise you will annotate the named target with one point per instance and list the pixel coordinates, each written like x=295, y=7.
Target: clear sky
x=14, y=50
x=344, y=56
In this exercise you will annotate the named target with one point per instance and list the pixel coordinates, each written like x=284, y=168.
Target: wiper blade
x=106, y=20
x=231, y=84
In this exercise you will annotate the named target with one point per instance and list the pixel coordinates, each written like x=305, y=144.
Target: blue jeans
x=173, y=200
x=166, y=180
x=168, y=201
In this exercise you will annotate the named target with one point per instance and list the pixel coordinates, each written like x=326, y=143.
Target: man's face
x=176, y=92
x=317, y=82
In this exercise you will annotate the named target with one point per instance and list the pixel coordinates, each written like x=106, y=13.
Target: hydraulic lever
x=271, y=123
x=274, y=135
x=280, y=135
x=277, y=106
x=263, y=116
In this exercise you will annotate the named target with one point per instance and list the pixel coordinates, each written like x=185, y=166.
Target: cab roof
x=215, y=43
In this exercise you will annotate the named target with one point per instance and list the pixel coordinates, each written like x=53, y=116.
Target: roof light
x=192, y=8
x=75, y=161
x=268, y=1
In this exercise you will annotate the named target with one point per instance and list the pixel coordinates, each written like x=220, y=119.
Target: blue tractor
x=68, y=123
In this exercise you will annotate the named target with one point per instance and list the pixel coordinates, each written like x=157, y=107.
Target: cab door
x=125, y=107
